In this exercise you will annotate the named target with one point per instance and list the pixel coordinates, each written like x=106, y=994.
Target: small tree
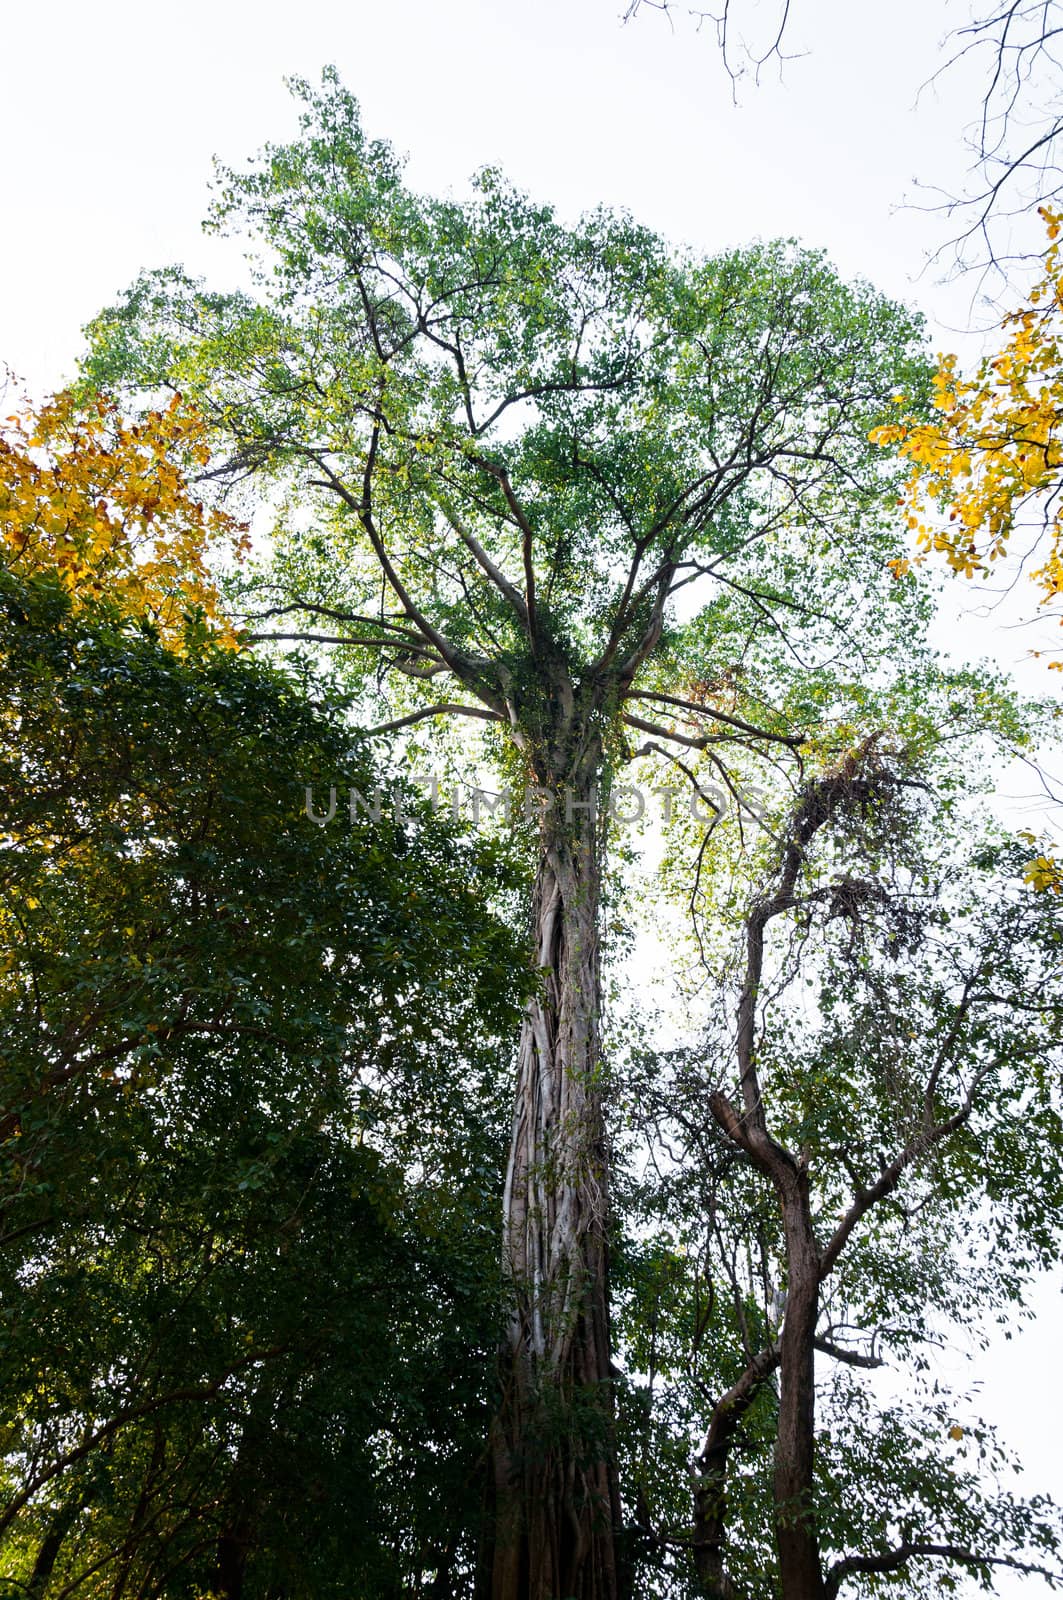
x=874, y=1153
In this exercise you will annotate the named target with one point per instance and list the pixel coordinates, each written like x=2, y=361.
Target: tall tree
x=522, y=443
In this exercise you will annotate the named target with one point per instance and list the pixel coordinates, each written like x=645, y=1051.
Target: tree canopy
x=107, y=504
x=607, y=501
x=539, y=433
x=864, y=1170
x=252, y=1132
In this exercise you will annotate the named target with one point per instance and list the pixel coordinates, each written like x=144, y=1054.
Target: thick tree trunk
x=800, y=1565
x=556, y=1503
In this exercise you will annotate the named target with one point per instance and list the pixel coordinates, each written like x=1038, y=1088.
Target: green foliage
x=912, y=985
x=567, y=468
x=605, y=419
x=252, y=1137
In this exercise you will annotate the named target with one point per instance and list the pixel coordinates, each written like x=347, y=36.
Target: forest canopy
x=346, y=1186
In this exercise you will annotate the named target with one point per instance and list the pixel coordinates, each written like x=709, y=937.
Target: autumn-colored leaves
x=107, y=506
x=996, y=443
x=994, y=448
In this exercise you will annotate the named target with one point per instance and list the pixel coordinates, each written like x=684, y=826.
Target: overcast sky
x=110, y=115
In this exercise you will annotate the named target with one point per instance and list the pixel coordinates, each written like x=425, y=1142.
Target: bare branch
x=893, y=1560
x=451, y=708
x=850, y=1358
x=740, y=60
x=793, y=740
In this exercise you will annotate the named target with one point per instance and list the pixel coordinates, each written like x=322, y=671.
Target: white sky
x=110, y=115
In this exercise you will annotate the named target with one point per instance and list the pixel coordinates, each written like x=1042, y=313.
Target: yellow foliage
x=997, y=442
x=1043, y=873
x=106, y=505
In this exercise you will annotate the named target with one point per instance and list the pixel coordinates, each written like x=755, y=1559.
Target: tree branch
x=851, y=1358
x=793, y=740
x=450, y=708
x=504, y=586
x=892, y=1560
x=520, y=518
x=891, y=1176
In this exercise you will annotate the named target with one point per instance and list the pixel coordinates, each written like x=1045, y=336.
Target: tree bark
x=797, y=1542
x=710, y=1493
x=60, y=1525
x=556, y=1500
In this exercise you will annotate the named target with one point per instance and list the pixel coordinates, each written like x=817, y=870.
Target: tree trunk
x=800, y=1566
x=140, y=1511
x=556, y=1502
x=60, y=1525
x=710, y=1493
